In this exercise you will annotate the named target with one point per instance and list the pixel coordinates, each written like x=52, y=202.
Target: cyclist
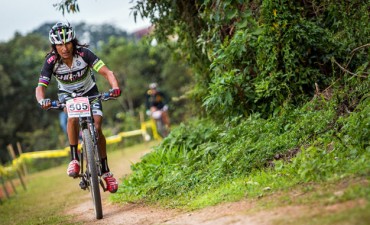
x=157, y=100
x=71, y=63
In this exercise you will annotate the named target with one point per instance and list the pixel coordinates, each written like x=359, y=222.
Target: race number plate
x=78, y=107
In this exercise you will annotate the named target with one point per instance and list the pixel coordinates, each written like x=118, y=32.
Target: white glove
x=44, y=101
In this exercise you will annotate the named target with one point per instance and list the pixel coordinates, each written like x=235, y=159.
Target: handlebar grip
x=55, y=104
x=106, y=95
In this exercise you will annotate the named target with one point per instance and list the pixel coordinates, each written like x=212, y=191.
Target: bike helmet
x=153, y=85
x=61, y=33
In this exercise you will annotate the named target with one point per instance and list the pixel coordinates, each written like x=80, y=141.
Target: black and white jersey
x=79, y=78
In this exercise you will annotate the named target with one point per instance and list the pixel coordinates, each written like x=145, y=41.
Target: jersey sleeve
x=165, y=98
x=92, y=59
x=47, y=71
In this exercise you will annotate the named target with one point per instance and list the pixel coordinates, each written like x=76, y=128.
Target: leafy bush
x=321, y=140
x=260, y=68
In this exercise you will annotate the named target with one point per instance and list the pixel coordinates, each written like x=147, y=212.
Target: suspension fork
x=95, y=137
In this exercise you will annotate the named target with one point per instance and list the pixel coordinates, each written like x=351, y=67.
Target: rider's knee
x=72, y=120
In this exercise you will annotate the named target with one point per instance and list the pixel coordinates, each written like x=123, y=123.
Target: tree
x=20, y=62
x=94, y=35
x=261, y=56
x=137, y=64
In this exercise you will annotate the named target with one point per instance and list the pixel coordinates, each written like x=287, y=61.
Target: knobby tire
x=161, y=128
x=93, y=178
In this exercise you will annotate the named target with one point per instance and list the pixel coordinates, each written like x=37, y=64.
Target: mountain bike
x=162, y=130
x=90, y=179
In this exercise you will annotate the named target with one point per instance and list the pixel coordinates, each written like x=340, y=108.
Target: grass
x=50, y=193
x=315, y=156
x=204, y=163
x=343, y=201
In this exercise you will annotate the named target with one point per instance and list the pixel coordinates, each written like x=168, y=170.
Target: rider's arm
x=165, y=99
x=109, y=75
x=99, y=66
x=40, y=93
x=40, y=96
x=44, y=81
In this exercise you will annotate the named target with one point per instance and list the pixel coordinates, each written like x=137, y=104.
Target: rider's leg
x=111, y=182
x=102, y=145
x=72, y=131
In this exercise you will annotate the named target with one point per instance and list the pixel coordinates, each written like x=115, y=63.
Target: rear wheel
x=92, y=173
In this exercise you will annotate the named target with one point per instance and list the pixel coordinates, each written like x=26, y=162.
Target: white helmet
x=153, y=85
x=61, y=33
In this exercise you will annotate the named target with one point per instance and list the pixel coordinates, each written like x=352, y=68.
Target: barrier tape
x=6, y=170
x=16, y=163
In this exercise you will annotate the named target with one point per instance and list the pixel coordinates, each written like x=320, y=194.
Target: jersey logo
x=71, y=76
x=51, y=59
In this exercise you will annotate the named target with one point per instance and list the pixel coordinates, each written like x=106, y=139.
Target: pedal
x=83, y=185
x=78, y=176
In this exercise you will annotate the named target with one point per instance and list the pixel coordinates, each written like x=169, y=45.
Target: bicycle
x=162, y=130
x=80, y=107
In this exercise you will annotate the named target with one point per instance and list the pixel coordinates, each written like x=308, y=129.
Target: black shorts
x=96, y=105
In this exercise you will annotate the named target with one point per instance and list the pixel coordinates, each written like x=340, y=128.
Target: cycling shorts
x=96, y=105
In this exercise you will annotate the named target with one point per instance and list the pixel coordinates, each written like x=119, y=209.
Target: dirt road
x=238, y=213
x=136, y=214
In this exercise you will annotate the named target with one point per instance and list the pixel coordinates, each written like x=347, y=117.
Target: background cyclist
x=157, y=100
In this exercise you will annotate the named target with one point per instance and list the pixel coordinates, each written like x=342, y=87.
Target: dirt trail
x=116, y=213
x=237, y=213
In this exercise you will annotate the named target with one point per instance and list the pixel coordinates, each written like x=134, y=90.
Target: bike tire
x=93, y=178
x=161, y=128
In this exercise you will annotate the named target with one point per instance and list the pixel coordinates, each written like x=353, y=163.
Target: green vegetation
x=203, y=163
x=281, y=98
x=135, y=62
x=51, y=193
x=261, y=56
x=284, y=87
x=48, y=194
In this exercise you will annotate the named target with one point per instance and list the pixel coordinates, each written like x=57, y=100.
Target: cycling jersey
x=158, y=99
x=77, y=79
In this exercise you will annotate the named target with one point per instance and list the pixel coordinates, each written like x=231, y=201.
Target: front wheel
x=92, y=173
x=161, y=128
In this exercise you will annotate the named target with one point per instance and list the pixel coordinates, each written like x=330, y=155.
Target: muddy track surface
x=237, y=213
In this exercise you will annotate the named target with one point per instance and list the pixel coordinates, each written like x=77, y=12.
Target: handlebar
x=105, y=96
